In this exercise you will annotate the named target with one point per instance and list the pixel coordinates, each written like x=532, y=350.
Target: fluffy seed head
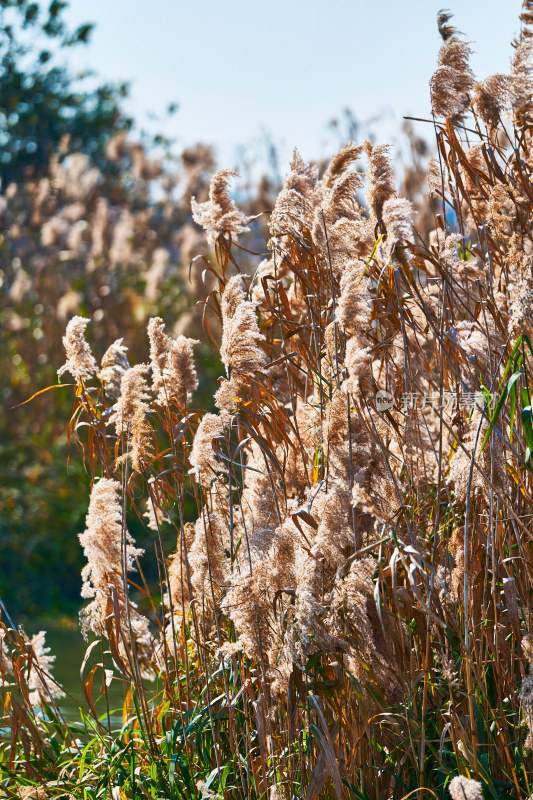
x=102, y=542
x=292, y=214
x=453, y=79
x=240, y=349
x=80, y=361
x=159, y=347
x=462, y=788
x=114, y=365
x=445, y=30
x=208, y=558
x=40, y=686
x=521, y=81
x=131, y=415
x=526, y=694
x=219, y=216
x=490, y=99
x=398, y=221
x=204, y=464
x=380, y=177
x=340, y=162
x=172, y=362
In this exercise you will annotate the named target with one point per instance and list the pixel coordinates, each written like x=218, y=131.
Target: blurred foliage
x=42, y=504
x=88, y=224
x=41, y=100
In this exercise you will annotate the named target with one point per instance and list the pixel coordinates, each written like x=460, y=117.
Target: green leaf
x=499, y=405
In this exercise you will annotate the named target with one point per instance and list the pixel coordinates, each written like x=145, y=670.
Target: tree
x=42, y=102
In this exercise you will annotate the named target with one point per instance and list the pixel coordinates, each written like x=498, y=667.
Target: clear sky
x=285, y=66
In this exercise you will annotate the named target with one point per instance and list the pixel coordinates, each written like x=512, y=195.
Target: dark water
x=67, y=644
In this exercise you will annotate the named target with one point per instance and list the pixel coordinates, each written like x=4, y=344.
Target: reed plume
x=111, y=553
x=520, y=82
x=453, y=79
x=205, y=466
x=131, y=417
x=293, y=210
x=113, y=366
x=491, y=98
x=240, y=349
x=177, y=592
x=462, y=788
x=80, y=360
x=40, y=680
x=5, y=661
x=219, y=216
x=380, y=177
x=208, y=557
x=172, y=361
x=102, y=547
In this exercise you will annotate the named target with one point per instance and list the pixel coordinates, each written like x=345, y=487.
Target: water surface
x=64, y=638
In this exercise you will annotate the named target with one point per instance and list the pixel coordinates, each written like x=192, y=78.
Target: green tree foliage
x=41, y=101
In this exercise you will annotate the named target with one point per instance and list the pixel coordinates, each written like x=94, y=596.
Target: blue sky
x=237, y=68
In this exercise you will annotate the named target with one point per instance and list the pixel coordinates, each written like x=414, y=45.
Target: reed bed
x=343, y=539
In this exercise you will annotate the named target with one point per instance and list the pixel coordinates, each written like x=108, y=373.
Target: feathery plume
x=527, y=647
x=209, y=557
x=114, y=364
x=476, y=180
x=180, y=374
x=205, y=465
x=462, y=788
x=380, y=177
x=339, y=187
x=446, y=31
x=490, y=99
x=80, y=360
x=5, y=661
x=293, y=210
x=173, y=370
x=246, y=603
x=340, y=231
x=32, y=793
x=452, y=81
x=227, y=397
x=40, y=686
x=525, y=695
x=219, y=216
x=177, y=569
x=398, y=222
x=502, y=211
x=434, y=177
x=367, y=636
x=154, y=515
x=131, y=413
x=159, y=348
x=102, y=546
x=352, y=308
x=521, y=79
x=526, y=17
x=353, y=314
x=240, y=349
x=340, y=162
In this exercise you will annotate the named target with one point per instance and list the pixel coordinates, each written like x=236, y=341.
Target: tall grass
x=344, y=545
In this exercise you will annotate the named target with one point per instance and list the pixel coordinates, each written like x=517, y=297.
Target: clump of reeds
x=346, y=610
